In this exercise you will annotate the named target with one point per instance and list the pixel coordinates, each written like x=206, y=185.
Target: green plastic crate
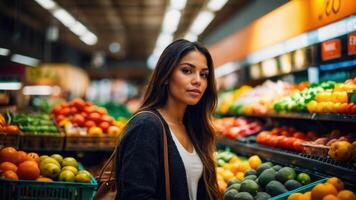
x=38, y=190
x=302, y=189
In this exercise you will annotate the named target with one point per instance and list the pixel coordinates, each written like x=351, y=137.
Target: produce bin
x=33, y=142
x=8, y=140
x=90, y=142
x=57, y=190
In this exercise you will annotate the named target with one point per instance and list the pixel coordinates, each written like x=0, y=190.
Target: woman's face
x=189, y=79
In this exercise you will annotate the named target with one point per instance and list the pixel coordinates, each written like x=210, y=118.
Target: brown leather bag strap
x=166, y=163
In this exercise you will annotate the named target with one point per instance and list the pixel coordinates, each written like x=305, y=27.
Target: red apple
x=104, y=126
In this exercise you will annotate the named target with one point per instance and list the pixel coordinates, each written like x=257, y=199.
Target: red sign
x=331, y=49
x=351, y=43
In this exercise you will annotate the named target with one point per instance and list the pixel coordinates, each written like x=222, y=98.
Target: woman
x=182, y=93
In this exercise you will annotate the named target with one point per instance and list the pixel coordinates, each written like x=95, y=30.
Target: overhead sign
x=331, y=49
x=351, y=44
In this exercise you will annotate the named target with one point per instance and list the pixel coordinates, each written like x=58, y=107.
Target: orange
x=254, y=161
x=321, y=190
x=307, y=196
x=5, y=166
x=34, y=156
x=22, y=156
x=240, y=176
x=346, y=195
x=295, y=196
x=28, y=170
x=235, y=167
x=330, y=197
x=9, y=154
x=10, y=175
x=337, y=183
x=222, y=186
x=244, y=166
x=45, y=179
x=227, y=175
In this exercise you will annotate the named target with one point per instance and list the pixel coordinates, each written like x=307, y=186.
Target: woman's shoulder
x=145, y=118
x=144, y=123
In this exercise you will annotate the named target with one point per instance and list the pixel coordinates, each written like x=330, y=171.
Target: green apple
x=43, y=157
x=58, y=157
x=71, y=168
x=67, y=176
x=70, y=161
x=50, y=170
x=82, y=177
x=50, y=160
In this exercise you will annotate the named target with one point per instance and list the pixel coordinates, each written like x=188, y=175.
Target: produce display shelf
x=39, y=190
x=304, y=116
x=343, y=170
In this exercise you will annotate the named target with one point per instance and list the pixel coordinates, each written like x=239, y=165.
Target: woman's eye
x=186, y=71
x=204, y=75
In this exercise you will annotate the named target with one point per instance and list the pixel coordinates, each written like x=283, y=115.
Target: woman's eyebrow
x=193, y=66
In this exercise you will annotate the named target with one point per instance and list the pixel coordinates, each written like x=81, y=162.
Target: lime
x=303, y=178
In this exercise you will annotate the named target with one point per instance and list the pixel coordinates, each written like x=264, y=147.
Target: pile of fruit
x=227, y=99
x=339, y=146
x=285, y=137
x=252, y=179
x=80, y=118
x=297, y=102
x=332, y=189
x=336, y=100
x=7, y=127
x=35, y=123
x=19, y=165
x=234, y=128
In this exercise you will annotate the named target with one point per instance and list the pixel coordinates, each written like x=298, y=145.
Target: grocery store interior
x=73, y=72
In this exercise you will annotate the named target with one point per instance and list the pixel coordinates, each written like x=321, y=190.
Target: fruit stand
x=308, y=128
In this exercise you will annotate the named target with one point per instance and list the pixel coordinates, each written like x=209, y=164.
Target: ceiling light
x=38, y=90
x=78, y=28
x=114, y=47
x=171, y=21
x=10, y=86
x=201, y=22
x=64, y=17
x=191, y=37
x=47, y=4
x=227, y=69
x=24, y=60
x=4, y=52
x=180, y=4
x=89, y=38
x=163, y=40
x=215, y=5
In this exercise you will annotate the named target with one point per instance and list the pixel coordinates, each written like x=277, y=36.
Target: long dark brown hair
x=197, y=118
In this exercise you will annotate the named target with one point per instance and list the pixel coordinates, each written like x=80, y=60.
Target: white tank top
x=193, y=167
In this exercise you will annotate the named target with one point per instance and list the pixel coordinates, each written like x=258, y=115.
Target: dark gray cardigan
x=139, y=164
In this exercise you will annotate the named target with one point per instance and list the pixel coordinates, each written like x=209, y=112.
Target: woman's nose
x=196, y=79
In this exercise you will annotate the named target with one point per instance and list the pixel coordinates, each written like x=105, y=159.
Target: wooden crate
x=9, y=140
x=90, y=143
x=31, y=142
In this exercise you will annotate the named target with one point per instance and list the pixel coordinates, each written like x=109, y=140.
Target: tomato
x=95, y=117
x=297, y=145
x=65, y=111
x=290, y=141
x=311, y=135
x=79, y=103
x=299, y=135
x=73, y=110
x=108, y=119
x=89, y=124
x=56, y=110
x=104, y=126
x=78, y=119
